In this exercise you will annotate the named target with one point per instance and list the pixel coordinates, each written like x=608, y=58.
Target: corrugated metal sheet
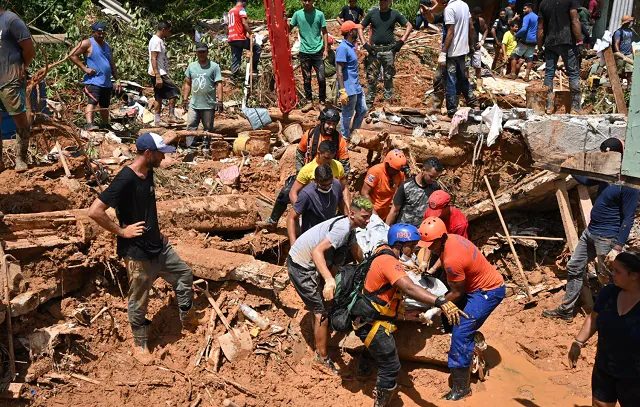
x=619, y=9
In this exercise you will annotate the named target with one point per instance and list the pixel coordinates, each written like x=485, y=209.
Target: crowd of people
x=397, y=222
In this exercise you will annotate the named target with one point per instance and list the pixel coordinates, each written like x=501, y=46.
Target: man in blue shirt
x=527, y=46
x=611, y=221
x=351, y=93
x=622, y=40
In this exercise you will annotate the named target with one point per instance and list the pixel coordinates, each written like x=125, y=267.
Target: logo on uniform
x=432, y=205
x=371, y=178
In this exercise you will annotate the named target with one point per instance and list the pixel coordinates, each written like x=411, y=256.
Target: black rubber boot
x=549, y=101
x=383, y=397
x=460, y=384
x=576, y=101
x=558, y=314
x=140, y=343
x=22, y=148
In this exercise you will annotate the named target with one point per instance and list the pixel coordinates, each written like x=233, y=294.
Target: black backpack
x=349, y=287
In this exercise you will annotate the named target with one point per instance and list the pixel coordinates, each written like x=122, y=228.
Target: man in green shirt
x=314, y=49
x=382, y=49
x=204, y=82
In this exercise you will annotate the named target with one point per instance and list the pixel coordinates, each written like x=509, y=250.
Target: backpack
x=349, y=286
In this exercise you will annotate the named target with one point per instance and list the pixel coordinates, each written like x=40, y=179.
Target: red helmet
x=431, y=229
x=396, y=159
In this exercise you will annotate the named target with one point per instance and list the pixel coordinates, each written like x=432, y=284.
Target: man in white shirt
x=460, y=39
x=163, y=86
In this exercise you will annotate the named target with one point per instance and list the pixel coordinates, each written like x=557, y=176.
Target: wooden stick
x=552, y=239
x=12, y=357
x=217, y=309
x=508, y=236
x=102, y=311
x=84, y=378
x=63, y=160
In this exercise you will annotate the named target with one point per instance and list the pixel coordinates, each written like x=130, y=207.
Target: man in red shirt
x=453, y=218
x=238, y=26
x=382, y=182
x=384, y=284
x=476, y=286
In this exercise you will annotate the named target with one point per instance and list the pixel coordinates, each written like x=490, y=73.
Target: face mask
x=324, y=191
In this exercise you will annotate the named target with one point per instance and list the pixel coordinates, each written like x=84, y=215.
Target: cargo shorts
x=13, y=98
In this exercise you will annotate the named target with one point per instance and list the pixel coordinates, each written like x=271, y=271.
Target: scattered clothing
x=383, y=188
x=316, y=207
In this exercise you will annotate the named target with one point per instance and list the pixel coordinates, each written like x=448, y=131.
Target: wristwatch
x=440, y=300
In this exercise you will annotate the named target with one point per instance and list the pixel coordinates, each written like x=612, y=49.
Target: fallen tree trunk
x=220, y=265
x=532, y=189
x=221, y=213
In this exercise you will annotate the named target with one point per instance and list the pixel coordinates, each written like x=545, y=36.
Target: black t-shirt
x=134, y=200
x=557, y=21
x=618, y=336
x=413, y=200
x=501, y=27
x=383, y=24
x=354, y=14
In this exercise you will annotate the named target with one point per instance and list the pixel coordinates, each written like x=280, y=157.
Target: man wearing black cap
x=203, y=80
x=147, y=252
x=16, y=53
x=98, y=71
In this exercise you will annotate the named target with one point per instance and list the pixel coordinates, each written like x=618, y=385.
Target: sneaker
x=91, y=127
x=328, y=363
x=307, y=108
x=558, y=314
x=268, y=224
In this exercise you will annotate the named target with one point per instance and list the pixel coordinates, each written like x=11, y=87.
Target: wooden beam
x=607, y=163
x=572, y=238
x=585, y=203
x=612, y=71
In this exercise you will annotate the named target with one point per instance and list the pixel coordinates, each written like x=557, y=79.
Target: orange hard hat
x=431, y=229
x=396, y=159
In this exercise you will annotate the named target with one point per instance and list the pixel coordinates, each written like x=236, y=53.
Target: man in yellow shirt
x=509, y=43
x=326, y=154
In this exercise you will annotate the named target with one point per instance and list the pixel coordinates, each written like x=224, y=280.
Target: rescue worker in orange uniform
x=382, y=182
x=475, y=286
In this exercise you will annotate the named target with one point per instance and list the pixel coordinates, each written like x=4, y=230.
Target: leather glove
x=344, y=98
x=329, y=289
x=613, y=253
x=442, y=59
x=574, y=354
x=399, y=44
x=452, y=312
x=367, y=47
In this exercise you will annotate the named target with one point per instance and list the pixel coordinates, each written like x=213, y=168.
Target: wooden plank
x=612, y=71
x=572, y=238
x=608, y=163
x=585, y=203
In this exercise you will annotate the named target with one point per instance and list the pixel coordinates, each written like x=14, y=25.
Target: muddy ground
x=526, y=355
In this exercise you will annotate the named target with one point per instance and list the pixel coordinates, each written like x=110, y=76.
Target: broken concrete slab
x=553, y=139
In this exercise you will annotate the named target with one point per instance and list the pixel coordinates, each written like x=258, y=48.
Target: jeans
x=194, y=117
x=142, y=274
x=237, y=47
x=480, y=304
x=420, y=21
x=315, y=61
x=457, y=81
x=569, y=54
x=357, y=104
x=589, y=247
x=386, y=60
x=383, y=350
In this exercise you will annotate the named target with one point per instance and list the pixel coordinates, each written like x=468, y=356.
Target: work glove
x=574, y=354
x=344, y=98
x=329, y=289
x=452, y=312
x=367, y=47
x=399, y=44
x=442, y=58
x=611, y=256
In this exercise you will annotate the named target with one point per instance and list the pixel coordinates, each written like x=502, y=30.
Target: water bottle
x=255, y=317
